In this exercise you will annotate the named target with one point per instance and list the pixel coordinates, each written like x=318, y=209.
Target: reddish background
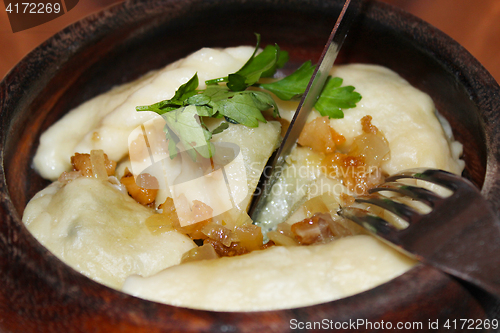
x=474, y=24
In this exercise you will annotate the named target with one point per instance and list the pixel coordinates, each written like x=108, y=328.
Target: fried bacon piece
x=317, y=229
x=83, y=163
x=352, y=170
x=313, y=230
x=145, y=195
x=226, y=242
x=320, y=228
x=229, y=243
x=221, y=241
x=235, y=249
x=371, y=144
x=360, y=167
x=367, y=126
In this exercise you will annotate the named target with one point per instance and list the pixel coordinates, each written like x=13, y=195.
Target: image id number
x=33, y=8
x=471, y=324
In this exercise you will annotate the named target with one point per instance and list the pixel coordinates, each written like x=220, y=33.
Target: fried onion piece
x=320, y=136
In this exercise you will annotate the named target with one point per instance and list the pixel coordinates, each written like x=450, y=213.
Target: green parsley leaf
x=184, y=122
x=283, y=58
x=292, y=86
x=242, y=108
x=202, y=98
x=204, y=111
x=220, y=128
x=263, y=64
x=334, y=98
x=185, y=91
x=172, y=143
x=213, y=94
x=263, y=101
x=226, y=78
x=253, y=69
x=236, y=82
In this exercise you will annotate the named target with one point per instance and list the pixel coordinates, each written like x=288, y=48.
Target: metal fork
x=460, y=235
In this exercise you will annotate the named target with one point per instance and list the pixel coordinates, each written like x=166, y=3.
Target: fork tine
x=373, y=223
x=418, y=193
x=401, y=210
x=434, y=176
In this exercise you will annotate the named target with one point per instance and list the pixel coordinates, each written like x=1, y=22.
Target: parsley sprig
x=229, y=97
x=332, y=100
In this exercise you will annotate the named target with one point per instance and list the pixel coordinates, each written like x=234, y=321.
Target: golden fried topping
x=320, y=136
x=144, y=195
x=83, y=163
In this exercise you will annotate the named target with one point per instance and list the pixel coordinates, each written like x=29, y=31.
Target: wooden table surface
x=474, y=24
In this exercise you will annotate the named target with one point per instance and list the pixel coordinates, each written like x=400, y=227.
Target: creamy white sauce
x=100, y=232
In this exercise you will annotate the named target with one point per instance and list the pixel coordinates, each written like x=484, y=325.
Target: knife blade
x=273, y=169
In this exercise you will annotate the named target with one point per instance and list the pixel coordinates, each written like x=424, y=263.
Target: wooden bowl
x=40, y=293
